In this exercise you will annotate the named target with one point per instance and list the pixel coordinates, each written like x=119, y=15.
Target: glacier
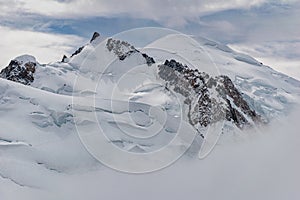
x=114, y=85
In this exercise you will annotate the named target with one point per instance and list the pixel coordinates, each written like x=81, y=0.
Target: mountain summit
x=229, y=96
x=143, y=100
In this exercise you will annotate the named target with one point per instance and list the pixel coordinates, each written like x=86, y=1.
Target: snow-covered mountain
x=137, y=91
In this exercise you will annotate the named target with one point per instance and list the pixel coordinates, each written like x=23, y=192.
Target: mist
x=261, y=164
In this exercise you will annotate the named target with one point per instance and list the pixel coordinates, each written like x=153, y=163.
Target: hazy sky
x=266, y=29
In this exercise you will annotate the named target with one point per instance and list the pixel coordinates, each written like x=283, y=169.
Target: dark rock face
x=123, y=50
x=77, y=51
x=209, y=99
x=149, y=60
x=64, y=59
x=95, y=36
x=19, y=72
x=228, y=92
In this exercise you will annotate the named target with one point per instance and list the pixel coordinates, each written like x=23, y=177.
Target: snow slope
x=42, y=155
x=269, y=92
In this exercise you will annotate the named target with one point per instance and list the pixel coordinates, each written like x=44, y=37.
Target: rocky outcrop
x=78, y=51
x=209, y=99
x=120, y=48
x=20, y=70
x=95, y=36
x=64, y=59
x=123, y=50
x=149, y=60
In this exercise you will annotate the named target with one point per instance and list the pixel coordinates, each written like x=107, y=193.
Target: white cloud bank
x=282, y=56
x=172, y=12
x=263, y=166
x=46, y=47
x=278, y=21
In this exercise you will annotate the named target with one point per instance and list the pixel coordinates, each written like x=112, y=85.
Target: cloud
x=171, y=12
x=255, y=165
x=237, y=22
x=282, y=56
x=268, y=32
x=46, y=47
x=224, y=20
x=268, y=22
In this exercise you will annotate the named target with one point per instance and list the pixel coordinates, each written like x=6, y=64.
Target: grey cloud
x=171, y=12
x=234, y=21
x=46, y=47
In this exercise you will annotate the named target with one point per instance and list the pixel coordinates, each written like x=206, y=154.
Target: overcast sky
x=266, y=29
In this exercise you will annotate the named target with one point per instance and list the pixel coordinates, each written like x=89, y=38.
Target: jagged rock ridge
x=64, y=59
x=123, y=49
x=78, y=51
x=20, y=70
x=95, y=36
x=210, y=99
